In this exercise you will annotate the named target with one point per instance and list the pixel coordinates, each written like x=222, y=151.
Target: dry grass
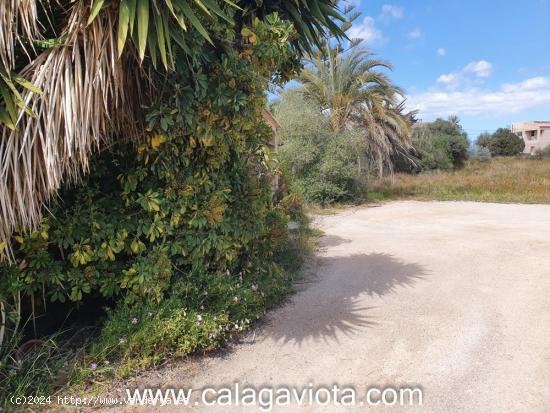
x=500, y=180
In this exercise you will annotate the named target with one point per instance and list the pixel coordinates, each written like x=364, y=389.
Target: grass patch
x=505, y=180
x=36, y=368
x=375, y=196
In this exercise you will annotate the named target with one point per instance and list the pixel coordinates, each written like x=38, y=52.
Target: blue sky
x=487, y=61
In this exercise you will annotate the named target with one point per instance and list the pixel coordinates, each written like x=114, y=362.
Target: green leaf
x=178, y=17
x=232, y=4
x=123, y=24
x=170, y=6
x=96, y=7
x=132, y=11
x=143, y=25
x=26, y=84
x=15, y=95
x=152, y=48
x=167, y=34
x=161, y=41
x=194, y=20
x=216, y=9
x=10, y=107
x=6, y=120
x=203, y=7
x=180, y=40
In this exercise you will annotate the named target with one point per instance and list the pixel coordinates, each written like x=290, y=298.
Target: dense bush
x=180, y=230
x=441, y=144
x=502, y=143
x=327, y=166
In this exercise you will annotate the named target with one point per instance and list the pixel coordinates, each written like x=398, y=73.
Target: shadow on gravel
x=332, y=241
x=335, y=305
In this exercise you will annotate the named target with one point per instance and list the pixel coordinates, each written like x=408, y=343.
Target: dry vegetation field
x=499, y=180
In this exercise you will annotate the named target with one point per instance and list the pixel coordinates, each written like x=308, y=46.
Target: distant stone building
x=536, y=135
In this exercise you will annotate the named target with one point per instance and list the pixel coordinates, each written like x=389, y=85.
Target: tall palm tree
x=71, y=77
x=351, y=89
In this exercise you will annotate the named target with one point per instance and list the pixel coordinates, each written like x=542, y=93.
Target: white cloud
x=441, y=51
x=415, y=34
x=389, y=11
x=508, y=99
x=481, y=69
x=447, y=79
x=529, y=84
x=366, y=30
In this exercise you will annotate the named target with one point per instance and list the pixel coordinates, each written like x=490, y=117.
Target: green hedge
x=180, y=230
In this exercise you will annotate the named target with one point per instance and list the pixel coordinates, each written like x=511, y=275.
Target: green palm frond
x=154, y=25
x=353, y=92
x=18, y=21
x=314, y=20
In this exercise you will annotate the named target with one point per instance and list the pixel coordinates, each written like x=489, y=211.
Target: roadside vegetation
x=440, y=145
x=344, y=124
x=514, y=180
x=501, y=143
x=339, y=153
x=163, y=235
x=139, y=221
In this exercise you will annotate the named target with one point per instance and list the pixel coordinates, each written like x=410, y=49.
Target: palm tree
x=350, y=88
x=72, y=79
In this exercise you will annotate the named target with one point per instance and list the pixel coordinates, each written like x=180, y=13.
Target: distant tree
x=483, y=140
x=326, y=166
x=506, y=143
x=456, y=140
x=441, y=144
x=502, y=143
x=351, y=87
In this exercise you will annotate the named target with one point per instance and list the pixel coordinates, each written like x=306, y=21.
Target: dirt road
x=451, y=297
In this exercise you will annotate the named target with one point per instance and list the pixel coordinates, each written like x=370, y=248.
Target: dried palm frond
x=85, y=99
x=18, y=22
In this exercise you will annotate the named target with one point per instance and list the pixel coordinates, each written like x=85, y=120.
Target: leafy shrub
x=441, y=144
x=502, y=143
x=195, y=196
x=326, y=165
x=202, y=311
x=182, y=221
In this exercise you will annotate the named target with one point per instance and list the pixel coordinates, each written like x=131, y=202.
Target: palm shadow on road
x=334, y=305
